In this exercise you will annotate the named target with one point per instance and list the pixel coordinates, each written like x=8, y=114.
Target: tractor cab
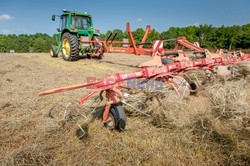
x=75, y=22
x=81, y=22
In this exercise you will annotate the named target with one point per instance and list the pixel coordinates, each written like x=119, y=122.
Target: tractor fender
x=66, y=30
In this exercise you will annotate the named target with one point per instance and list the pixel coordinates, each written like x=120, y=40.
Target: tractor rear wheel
x=118, y=118
x=70, y=47
x=52, y=52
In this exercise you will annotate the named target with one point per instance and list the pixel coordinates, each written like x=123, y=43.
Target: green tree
x=39, y=44
x=119, y=34
x=205, y=34
x=230, y=37
x=245, y=38
x=153, y=35
x=234, y=35
x=138, y=34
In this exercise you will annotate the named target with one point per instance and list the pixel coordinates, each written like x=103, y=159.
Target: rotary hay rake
x=130, y=46
x=173, y=74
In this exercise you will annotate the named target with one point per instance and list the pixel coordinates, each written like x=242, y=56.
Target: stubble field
x=210, y=128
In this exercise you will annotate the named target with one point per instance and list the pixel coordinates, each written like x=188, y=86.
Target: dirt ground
x=29, y=136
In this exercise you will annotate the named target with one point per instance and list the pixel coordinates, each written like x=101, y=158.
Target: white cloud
x=139, y=19
x=5, y=17
x=5, y=31
x=194, y=24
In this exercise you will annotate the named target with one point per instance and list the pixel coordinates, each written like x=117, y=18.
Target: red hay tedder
x=168, y=66
x=114, y=116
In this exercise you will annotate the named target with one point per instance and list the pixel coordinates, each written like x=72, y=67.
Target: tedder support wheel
x=52, y=52
x=70, y=47
x=166, y=61
x=118, y=118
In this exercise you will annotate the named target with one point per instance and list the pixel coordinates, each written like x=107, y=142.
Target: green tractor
x=76, y=36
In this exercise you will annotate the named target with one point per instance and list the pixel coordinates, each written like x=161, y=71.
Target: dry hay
x=231, y=101
x=174, y=112
x=218, y=117
x=197, y=130
x=219, y=98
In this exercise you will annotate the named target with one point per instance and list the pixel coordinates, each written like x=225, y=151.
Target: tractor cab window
x=81, y=22
x=64, y=20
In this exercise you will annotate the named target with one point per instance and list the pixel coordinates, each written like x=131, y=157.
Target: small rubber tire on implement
x=166, y=61
x=52, y=52
x=70, y=47
x=118, y=118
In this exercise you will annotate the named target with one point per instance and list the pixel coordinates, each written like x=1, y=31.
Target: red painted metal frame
x=132, y=48
x=113, y=80
x=114, y=83
x=182, y=43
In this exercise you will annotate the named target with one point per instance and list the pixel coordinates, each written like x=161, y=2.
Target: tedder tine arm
x=109, y=36
x=148, y=28
x=83, y=99
x=113, y=38
x=67, y=88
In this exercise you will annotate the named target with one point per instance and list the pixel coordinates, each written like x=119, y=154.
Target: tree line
x=26, y=43
x=228, y=37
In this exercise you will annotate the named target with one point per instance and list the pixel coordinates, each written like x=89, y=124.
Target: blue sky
x=33, y=16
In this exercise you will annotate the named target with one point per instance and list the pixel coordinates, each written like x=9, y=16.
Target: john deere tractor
x=76, y=36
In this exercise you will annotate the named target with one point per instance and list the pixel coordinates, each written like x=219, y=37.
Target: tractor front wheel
x=52, y=52
x=70, y=47
x=118, y=118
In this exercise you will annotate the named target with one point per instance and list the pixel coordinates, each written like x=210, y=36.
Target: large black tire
x=73, y=49
x=52, y=52
x=118, y=118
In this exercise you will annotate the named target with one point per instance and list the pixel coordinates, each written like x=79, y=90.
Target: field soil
x=210, y=128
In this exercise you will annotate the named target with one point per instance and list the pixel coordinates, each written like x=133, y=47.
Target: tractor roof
x=77, y=13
